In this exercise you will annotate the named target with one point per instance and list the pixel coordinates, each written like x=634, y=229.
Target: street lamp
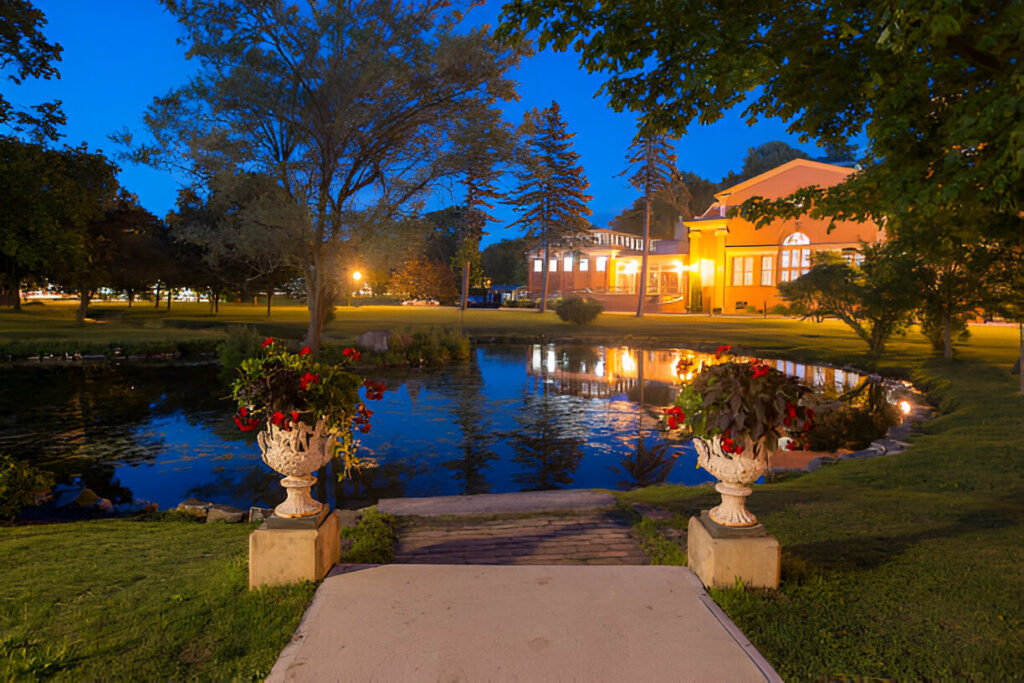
x=356, y=277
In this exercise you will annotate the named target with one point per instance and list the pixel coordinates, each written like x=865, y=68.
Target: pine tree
x=653, y=164
x=550, y=197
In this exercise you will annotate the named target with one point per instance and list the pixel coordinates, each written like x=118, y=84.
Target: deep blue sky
x=119, y=54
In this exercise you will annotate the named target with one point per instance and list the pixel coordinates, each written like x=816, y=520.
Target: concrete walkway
x=554, y=621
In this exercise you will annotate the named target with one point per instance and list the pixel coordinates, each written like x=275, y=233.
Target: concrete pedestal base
x=289, y=555
x=718, y=555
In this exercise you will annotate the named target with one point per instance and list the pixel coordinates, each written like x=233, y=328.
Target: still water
x=514, y=418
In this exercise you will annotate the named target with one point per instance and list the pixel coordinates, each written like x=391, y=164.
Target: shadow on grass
x=867, y=551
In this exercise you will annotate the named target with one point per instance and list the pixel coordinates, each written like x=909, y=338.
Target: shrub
x=241, y=342
x=851, y=427
x=779, y=309
x=751, y=308
x=577, y=310
x=19, y=484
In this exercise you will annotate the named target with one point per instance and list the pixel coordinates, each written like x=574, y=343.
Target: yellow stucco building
x=716, y=264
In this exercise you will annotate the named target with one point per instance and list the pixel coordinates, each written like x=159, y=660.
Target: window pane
x=785, y=258
x=748, y=277
x=737, y=270
x=766, y=271
x=568, y=263
x=538, y=265
x=584, y=265
x=805, y=258
x=553, y=266
x=602, y=262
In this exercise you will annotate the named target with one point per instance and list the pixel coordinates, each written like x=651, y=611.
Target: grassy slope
x=905, y=566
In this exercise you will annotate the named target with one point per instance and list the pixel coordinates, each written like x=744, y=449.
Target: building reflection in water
x=650, y=376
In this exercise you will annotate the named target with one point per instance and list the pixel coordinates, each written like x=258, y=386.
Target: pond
x=513, y=418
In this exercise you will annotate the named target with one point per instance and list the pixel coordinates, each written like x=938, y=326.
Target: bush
x=577, y=310
x=432, y=346
x=241, y=342
x=520, y=303
x=851, y=427
x=779, y=309
x=751, y=308
x=19, y=484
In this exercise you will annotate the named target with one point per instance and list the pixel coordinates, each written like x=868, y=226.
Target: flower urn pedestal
x=300, y=541
x=727, y=543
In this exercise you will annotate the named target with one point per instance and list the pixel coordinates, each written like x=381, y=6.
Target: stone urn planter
x=297, y=453
x=735, y=473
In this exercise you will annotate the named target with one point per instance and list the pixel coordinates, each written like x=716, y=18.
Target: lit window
x=796, y=258
x=553, y=266
x=742, y=270
x=538, y=265
x=567, y=263
x=602, y=263
x=584, y=264
x=767, y=269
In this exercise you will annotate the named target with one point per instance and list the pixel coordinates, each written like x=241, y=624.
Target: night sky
x=119, y=54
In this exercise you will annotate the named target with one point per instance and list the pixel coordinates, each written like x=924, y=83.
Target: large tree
x=504, y=262
x=652, y=163
x=354, y=108
x=245, y=224
x=551, y=193
x=49, y=201
x=25, y=53
x=937, y=89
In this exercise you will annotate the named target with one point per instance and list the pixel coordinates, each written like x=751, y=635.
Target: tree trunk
x=465, y=285
x=211, y=301
x=131, y=296
x=1020, y=356
x=642, y=289
x=270, y=298
x=316, y=296
x=156, y=299
x=216, y=302
x=544, y=287
x=169, y=291
x=83, y=305
x=947, y=337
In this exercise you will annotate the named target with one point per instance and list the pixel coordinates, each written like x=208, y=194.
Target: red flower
x=307, y=379
x=365, y=427
x=305, y=351
x=353, y=354
x=268, y=341
x=246, y=424
x=281, y=420
x=295, y=416
x=790, y=409
x=791, y=445
x=672, y=422
x=243, y=411
x=374, y=390
x=760, y=371
x=724, y=348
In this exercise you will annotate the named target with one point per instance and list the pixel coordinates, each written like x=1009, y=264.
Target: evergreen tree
x=653, y=165
x=551, y=196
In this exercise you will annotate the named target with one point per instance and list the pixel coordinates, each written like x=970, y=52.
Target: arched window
x=795, y=259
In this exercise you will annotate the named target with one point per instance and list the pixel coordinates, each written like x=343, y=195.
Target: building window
x=584, y=264
x=567, y=263
x=538, y=265
x=767, y=270
x=602, y=263
x=553, y=266
x=796, y=258
x=742, y=270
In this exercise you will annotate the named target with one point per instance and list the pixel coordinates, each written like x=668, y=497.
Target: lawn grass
x=904, y=566
x=138, y=600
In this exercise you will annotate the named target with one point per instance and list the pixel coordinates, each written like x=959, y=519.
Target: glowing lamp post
x=356, y=277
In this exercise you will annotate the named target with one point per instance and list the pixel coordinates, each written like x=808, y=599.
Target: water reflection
x=515, y=417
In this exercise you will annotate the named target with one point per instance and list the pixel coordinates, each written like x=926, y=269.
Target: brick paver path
x=588, y=538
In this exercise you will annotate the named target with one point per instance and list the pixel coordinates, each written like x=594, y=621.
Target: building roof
x=782, y=181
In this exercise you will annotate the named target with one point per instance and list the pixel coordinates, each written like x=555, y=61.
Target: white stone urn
x=734, y=472
x=297, y=453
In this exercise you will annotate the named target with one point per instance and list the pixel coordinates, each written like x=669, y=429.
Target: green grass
x=137, y=600
x=907, y=566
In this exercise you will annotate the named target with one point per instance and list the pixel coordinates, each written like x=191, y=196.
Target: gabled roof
x=784, y=180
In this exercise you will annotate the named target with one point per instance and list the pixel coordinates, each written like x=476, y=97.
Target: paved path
x=429, y=623
x=595, y=538
x=445, y=612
